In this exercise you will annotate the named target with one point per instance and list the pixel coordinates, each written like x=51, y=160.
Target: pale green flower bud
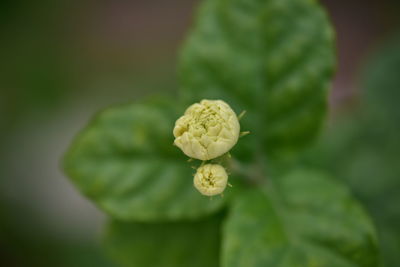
x=207, y=130
x=210, y=179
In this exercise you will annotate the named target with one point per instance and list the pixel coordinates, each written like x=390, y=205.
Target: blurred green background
x=61, y=61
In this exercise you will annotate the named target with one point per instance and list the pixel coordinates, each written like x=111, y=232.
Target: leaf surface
x=305, y=220
x=191, y=244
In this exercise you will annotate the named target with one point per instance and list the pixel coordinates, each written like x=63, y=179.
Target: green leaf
x=362, y=147
x=273, y=58
x=305, y=220
x=189, y=244
x=124, y=160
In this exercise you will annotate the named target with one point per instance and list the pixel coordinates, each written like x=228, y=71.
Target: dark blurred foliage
x=54, y=51
x=63, y=60
x=35, y=66
x=361, y=146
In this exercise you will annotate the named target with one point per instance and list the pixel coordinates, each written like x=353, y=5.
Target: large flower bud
x=207, y=130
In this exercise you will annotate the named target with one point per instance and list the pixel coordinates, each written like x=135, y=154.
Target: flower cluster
x=206, y=131
x=210, y=179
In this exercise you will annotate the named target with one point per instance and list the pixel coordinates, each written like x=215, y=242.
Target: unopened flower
x=210, y=179
x=207, y=130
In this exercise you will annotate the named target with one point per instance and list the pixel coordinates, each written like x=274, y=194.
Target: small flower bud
x=207, y=130
x=210, y=179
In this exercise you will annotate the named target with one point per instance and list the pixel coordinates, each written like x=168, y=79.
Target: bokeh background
x=61, y=61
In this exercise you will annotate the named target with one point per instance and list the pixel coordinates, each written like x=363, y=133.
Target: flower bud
x=210, y=179
x=207, y=130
